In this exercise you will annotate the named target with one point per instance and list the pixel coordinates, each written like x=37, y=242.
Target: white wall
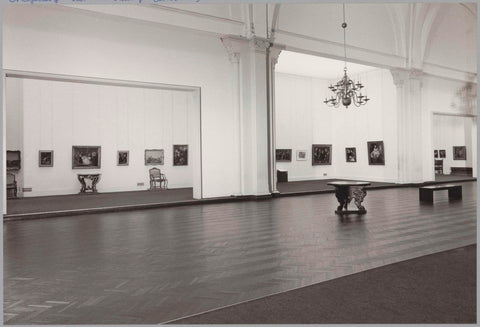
x=59, y=40
x=441, y=96
x=303, y=119
x=450, y=131
x=58, y=115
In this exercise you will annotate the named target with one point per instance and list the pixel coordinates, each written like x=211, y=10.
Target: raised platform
x=78, y=204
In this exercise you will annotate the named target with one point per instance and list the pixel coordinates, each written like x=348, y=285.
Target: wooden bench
x=461, y=171
x=426, y=192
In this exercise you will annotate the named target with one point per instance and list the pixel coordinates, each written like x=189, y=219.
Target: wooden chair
x=157, y=179
x=11, y=186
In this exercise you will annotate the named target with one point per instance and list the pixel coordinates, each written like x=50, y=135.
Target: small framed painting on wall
x=283, y=155
x=351, y=154
x=180, y=155
x=301, y=155
x=376, y=153
x=321, y=154
x=122, y=158
x=45, y=158
x=86, y=157
x=459, y=153
x=154, y=157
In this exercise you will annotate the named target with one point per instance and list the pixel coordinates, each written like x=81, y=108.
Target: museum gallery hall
x=239, y=163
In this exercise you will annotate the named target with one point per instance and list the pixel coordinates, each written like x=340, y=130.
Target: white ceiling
x=307, y=65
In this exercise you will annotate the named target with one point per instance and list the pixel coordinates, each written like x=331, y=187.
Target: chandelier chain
x=346, y=91
x=344, y=25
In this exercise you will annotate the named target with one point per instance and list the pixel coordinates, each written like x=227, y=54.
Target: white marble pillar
x=249, y=78
x=410, y=137
x=274, y=53
x=474, y=146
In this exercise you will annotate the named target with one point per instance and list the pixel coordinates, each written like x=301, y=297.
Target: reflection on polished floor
x=156, y=265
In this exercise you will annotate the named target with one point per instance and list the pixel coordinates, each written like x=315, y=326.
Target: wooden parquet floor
x=153, y=266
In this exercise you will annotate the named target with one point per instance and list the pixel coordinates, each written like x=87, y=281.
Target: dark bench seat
x=426, y=192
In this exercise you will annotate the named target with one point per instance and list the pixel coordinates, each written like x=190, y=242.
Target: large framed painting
x=321, y=154
x=86, y=157
x=376, y=153
x=443, y=153
x=13, y=160
x=283, y=155
x=351, y=154
x=301, y=155
x=45, y=158
x=122, y=158
x=180, y=155
x=459, y=153
x=154, y=157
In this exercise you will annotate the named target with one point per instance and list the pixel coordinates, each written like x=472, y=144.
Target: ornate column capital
x=400, y=75
x=274, y=52
x=235, y=45
x=259, y=44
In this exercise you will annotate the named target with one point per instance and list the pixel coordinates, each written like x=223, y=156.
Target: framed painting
x=86, y=157
x=442, y=153
x=123, y=158
x=154, y=157
x=459, y=153
x=45, y=158
x=13, y=160
x=435, y=153
x=376, y=153
x=351, y=154
x=301, y=155
x=321, y=154
x=180, y=155
x=283, y=155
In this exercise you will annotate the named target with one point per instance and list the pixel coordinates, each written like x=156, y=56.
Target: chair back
x=154, y=173
x=10, y=178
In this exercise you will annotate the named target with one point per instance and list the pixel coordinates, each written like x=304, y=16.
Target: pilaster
x=273, y=54
x=412, y=142
x=250, y=101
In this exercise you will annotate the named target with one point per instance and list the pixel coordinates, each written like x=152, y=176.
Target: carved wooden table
x=345, y=191
x=89, y=182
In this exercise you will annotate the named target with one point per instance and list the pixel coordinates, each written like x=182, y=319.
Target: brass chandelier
x=346, y=90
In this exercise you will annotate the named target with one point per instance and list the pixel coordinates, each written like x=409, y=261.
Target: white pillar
x=249, y=60
x=411, y=142
x=474, y=146
x=274, y=53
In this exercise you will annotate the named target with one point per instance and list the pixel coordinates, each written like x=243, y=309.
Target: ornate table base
x=348, y=191
x=89, y=182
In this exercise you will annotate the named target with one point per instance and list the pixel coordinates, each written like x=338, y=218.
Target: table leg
x=359, y=194
x=343, y=196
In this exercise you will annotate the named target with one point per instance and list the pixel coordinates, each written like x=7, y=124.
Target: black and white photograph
x=321, y=154
x=459, y=153
x=351, y=154
x=123, y=158
x=154, y=157
x=45, y=158
x=301, y=155
x=86, y=157
x=283, y=155
x=180, y=155
x=376, y=153
x=194, y=162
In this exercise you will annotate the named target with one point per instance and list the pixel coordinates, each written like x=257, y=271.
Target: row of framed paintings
x=322, y=154
x=459, y=153
x=84, y=157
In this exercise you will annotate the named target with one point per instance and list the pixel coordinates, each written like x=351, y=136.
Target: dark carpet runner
x=438, y=288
